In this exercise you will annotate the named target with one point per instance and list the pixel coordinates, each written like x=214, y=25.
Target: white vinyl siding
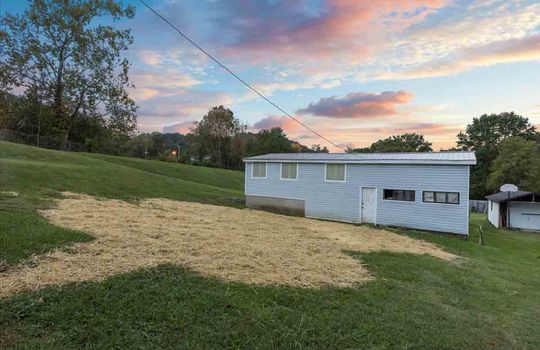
x=341, y=200
x=259, y=170
x=335, y=172
x=289, y=171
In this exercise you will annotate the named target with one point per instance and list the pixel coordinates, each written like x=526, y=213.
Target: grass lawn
x=491, y=300
x=38, y=174
x=23, y=233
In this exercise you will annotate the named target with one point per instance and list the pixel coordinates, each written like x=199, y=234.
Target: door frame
x=360, y=203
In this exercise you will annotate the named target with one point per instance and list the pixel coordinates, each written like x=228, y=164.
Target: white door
x=368, y=205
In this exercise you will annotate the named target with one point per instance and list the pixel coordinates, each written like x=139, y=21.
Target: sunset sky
x=356, y=71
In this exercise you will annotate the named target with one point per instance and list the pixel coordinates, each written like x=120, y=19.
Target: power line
x=237, y=77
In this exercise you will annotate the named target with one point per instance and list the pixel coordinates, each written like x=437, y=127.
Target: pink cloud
x=504, y=51
x=150, y=57
x=347, y=29
x=358, y=105
x=181, y=128
x=274, y=121
x=358, y=134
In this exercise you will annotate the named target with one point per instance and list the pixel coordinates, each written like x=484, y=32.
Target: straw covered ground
x=241, y=245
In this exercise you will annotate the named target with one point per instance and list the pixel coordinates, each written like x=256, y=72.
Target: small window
x=335, y=172
x=259, y=170
x=289, y=171
x=441, y=197
x=452, y=197
x=429, y=196
x=399, y=195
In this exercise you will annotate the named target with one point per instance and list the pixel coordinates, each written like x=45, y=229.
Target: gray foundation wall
x=280, y=205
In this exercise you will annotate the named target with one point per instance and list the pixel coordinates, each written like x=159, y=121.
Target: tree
x=409, y=142
x=58, y=49
x=212, y=136
x=272, y=140
x=316, y=148
x=484, y=136
x=517, y=162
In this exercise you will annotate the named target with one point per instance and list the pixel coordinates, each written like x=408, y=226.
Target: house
x=511, y=208
x=428, y=191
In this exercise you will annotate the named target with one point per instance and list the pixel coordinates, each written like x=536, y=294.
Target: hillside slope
x=35, y=172
x=30, y=176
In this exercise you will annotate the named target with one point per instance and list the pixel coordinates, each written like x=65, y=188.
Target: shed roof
x=461, y=158
x=509, y=196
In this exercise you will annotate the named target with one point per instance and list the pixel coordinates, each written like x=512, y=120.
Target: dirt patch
x=233, y=244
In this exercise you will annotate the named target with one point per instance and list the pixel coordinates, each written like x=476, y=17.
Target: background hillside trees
x=518, y=163
x=408, y=142
x=484, y=136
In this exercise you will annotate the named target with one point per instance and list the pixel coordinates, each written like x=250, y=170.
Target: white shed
x=427, y=191
x=514, y=209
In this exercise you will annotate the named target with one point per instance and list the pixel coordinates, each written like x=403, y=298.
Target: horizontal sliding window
x=441, y=197
x=259, y=170
x=400, y=195
x=289, y=171
x=335, y=172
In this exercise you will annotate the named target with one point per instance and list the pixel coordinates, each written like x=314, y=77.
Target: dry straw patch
x=233, y=244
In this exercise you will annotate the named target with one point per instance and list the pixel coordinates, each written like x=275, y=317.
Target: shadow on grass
x=414, y=301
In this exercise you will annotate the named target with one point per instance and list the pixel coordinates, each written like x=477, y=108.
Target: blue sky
x=354, y=70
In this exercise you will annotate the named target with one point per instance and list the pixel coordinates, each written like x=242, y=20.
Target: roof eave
x=429, y=162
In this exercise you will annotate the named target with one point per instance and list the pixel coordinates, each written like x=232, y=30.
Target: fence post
x=481, y=237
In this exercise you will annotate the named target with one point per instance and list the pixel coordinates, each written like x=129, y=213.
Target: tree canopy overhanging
x=62, y=59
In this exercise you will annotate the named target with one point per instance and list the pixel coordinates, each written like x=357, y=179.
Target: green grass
x=39, y=174
x=491, y=300
x=23, y=232
x=228, y=179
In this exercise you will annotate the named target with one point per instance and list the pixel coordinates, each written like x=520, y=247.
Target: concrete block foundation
x=279, y=205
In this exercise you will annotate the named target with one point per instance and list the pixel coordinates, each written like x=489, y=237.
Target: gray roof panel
x=508, y=196
x=464, y=158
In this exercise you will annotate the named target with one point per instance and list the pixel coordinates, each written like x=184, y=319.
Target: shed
x=421, y=190
x=511, y=208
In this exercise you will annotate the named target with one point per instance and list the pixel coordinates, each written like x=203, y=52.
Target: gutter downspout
x=508, y=212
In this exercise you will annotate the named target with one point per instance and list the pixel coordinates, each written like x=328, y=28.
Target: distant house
x=511, y=208
x=428, y=191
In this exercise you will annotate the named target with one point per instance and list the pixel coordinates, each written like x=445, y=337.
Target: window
x=289, y=171
x=258, y=170
x=441, y=197
x=399, y=195
x=335, y=172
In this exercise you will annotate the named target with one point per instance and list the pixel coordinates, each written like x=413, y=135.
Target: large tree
x=484, y=135
x=212, y=136
x=517, y=162
x=408, y=142
x=57, y=48
x=272, y=140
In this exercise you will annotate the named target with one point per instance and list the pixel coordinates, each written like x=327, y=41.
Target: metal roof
x=508, y=196
x=462, y=158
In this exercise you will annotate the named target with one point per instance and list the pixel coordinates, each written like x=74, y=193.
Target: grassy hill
x=490, y=300
x=34, y=171
x=38, y=174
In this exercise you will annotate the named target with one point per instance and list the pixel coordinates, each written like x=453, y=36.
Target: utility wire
x=236, y=76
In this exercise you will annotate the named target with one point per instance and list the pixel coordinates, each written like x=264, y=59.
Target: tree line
x=64, y=84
